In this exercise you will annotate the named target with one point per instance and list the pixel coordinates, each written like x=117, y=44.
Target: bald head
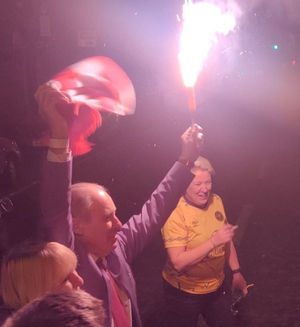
x=95, y=223
x=83, y=198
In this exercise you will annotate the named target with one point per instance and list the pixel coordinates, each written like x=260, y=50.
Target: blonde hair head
x=32, y=270
x=203, y=164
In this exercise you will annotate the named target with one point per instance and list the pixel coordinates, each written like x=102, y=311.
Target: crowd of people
x=88, y=248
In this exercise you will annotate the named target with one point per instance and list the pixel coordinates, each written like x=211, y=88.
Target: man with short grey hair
x=104, y=247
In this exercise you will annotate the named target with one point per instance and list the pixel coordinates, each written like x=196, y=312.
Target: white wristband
x=62, y=157
x=59, y=143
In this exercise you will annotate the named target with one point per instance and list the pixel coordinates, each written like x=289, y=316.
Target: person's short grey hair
x=68, y=308
x=82, y=199
x=203, y=164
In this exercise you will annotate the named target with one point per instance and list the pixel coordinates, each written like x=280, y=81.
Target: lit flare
x=202, y=22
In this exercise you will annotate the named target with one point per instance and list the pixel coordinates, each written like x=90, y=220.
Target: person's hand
x=192, y=143
x=223, y=235
x=239, y=283
x=48, y=97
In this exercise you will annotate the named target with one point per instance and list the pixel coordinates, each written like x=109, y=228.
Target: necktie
x=118, y=310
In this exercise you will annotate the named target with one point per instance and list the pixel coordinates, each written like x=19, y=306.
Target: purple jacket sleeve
x=56, y=201
x=141, y=229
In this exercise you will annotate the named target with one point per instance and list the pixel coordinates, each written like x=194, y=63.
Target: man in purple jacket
x=83, y=217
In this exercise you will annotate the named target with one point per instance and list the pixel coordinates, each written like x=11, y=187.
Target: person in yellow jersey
x=199, y=243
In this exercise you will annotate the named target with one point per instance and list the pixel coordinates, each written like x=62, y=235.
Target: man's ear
x=77, y=226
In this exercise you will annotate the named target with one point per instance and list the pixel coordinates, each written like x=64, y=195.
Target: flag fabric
x=94, y=85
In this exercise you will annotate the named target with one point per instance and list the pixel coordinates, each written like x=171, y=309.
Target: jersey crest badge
x=219, y=216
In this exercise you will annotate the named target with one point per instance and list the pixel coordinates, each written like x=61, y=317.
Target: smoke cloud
x=277, y=8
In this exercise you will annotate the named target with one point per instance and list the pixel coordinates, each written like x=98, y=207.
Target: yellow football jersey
x=189, y=226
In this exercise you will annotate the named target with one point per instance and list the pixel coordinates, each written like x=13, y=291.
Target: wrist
x=59, y=143
x=212, y=242
x=59, y=131
x=188, y=163
x=236, y=271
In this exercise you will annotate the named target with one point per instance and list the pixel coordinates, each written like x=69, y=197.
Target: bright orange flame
x=202, y=21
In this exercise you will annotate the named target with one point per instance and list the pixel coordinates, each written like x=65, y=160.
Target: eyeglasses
x=237, y=297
